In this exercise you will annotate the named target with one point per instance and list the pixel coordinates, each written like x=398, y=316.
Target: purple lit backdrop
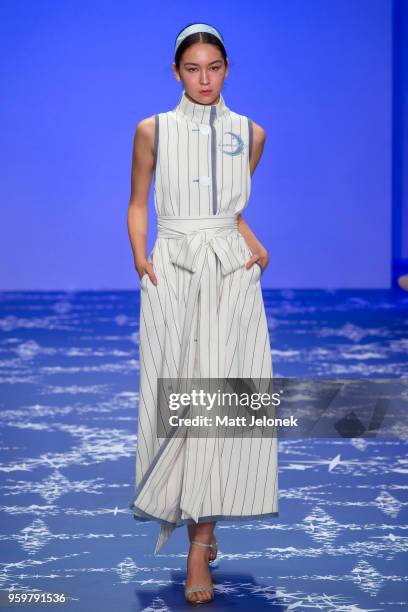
x=78, y=76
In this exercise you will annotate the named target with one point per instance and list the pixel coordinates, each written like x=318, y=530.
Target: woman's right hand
x=147, y=268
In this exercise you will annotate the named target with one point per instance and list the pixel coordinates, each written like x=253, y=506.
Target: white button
x=204, y=129
x=204, y=180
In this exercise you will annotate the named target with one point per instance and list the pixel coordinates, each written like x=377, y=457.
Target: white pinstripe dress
x=205, y=317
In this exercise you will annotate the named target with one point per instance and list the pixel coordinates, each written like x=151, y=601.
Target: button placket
x=209, y=181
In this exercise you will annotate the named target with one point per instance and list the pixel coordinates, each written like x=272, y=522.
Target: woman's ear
x=175, y=71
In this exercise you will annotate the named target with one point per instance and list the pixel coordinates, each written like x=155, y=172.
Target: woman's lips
x=206, y=92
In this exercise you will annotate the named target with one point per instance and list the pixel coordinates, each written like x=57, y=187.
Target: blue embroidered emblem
x=236, y=145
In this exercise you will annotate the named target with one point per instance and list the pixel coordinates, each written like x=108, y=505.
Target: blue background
x=78, y=77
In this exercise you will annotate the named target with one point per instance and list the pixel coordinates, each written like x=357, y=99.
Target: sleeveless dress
x=205, y=317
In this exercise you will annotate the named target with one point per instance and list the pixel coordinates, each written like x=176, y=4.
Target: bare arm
x=141, y=178
x=260, y=254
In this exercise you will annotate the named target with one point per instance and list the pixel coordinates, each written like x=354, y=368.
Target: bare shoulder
x=259, y=133
x=145, y=128
x=144, y=135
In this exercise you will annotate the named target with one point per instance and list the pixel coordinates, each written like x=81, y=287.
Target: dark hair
x=202, y=37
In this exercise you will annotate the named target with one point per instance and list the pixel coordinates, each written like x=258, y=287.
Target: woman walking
x=202, y=312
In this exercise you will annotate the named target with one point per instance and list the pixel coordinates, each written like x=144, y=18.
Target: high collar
x=201, y=113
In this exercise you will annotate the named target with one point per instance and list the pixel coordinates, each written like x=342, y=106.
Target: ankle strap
x=203, y=544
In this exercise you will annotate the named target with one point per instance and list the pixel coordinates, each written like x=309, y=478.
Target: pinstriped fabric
x=205, y=317
x=202, y=159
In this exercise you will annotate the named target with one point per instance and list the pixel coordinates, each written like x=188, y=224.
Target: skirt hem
x=144, y=516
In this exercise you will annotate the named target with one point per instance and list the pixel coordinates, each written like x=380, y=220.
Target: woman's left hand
x=261, y=257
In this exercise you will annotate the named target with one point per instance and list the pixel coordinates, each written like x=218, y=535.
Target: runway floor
x=68, y=422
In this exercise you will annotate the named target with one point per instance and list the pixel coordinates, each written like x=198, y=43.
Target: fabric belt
x=202, y=239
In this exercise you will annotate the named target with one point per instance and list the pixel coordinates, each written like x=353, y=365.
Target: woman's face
x=202, y=72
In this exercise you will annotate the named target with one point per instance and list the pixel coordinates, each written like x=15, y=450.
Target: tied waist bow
x=200, y=241
x=197, y=236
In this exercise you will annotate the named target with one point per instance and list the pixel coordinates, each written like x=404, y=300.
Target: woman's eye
x=213, y=68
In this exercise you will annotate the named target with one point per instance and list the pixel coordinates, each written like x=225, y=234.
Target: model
x=202, y=312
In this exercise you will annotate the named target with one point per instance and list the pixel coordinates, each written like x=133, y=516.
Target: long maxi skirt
x=205, y=318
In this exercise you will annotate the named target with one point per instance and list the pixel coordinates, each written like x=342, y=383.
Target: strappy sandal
x=201, y=588
x=215, y=547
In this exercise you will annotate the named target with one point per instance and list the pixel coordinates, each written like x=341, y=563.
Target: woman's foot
x=198, y=574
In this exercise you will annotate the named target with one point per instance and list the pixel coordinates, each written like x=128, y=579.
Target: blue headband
x=192, y=29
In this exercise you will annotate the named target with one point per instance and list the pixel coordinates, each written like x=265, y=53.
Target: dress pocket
x=257, y=271
x=254, y=273
x=145, y=278
x=260, y=269
x=143, y=281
